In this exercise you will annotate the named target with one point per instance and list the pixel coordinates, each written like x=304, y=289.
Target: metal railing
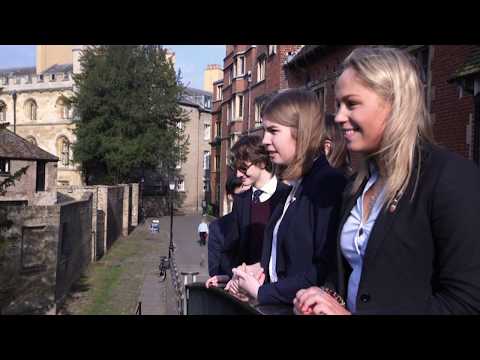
x=216, y=301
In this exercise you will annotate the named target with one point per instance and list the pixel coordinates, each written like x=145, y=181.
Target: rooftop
x=15, y=147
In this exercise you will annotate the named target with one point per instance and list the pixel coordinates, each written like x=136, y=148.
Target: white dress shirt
x=267, y=190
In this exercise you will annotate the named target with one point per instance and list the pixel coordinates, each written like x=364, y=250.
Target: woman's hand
x=248, y=282
x=315, y=301
x=216, y=280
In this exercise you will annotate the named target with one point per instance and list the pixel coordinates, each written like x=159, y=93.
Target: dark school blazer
x=236, y=244
x=423, y=258
x=306, y=236
x=219, y=263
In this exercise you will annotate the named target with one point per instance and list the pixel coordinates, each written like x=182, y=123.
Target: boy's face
x=250, y=173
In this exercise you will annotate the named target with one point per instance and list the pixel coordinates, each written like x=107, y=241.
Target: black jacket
x=219, y=263
x=306, y=236
x=424, y=258
x=236, y=243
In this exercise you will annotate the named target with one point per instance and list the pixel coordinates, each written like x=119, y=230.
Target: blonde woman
x=299, y=243
x=407, y=242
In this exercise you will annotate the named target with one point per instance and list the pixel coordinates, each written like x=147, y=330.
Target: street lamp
x=14, y=97
x=172, y=185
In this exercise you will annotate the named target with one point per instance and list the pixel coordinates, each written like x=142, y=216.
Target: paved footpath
x=129, y=273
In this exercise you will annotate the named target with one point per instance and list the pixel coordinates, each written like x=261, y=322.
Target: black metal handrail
x=216, y=301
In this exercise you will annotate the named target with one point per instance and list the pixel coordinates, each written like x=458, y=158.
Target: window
x=239, y=103
x=181, y=185
x=64, y=151
x=28, y=79
x=65, y=77
x=239, y=66
x=206, y=160
x=17, y=80
x=206, y=131
x=231, y=109
x=233, y=139
x=207, y=102
x=64, y=108
x=40, y=78
x=219, y=92
x=258, y=110
x=52, y=77
x=4, y=166
x=40, y=181
x=261, y=69
x=218, y=128
x=217, y=162
x=3, y=112
x=422, y=55
x=31, y=109
x=272, y=49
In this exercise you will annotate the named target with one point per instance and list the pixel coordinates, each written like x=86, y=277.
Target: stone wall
x=135, y=204
x=74, y=247
x=28, y=270
x=110, y=204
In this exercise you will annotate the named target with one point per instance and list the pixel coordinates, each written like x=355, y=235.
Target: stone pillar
x=102, y=208
x=135, y=203
x=125, y=217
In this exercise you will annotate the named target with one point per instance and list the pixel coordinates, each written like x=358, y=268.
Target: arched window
x=64, y=108
x=31, y=140
x=63, y=150
x=3, y=112
x=31, y=109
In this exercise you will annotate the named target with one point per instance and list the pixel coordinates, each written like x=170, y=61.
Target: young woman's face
x=278, y=140
x=361, y=113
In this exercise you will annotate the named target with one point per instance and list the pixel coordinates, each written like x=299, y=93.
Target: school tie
x=256, y=196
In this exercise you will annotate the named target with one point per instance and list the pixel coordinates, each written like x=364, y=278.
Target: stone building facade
x=43, y=114
x=195, y=172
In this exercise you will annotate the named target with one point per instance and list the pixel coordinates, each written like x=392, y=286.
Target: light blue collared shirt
x=355, y=235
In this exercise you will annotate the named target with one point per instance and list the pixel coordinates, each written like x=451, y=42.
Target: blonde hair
x=300, y=110
x=394, y=76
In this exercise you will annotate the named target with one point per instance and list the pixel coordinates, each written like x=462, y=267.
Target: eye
x=351, y=104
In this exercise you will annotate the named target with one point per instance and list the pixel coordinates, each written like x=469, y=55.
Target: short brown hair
x=250, y=148
x=300, y=110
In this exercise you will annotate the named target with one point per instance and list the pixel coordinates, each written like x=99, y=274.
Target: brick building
x=251, y=73
x=451, y=77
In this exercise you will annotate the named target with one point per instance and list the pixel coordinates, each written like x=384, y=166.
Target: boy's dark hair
x=232, y=184
x=250, y=148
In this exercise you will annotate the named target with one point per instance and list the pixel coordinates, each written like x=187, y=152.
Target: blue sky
x=191, y=59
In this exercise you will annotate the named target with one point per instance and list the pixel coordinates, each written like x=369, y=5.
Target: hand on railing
x=246, y=281
x=217, y=281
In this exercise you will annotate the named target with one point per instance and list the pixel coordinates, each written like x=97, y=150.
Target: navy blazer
x=423, y=258
x=236, y=245
x=306, y=236
x=219, y=263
